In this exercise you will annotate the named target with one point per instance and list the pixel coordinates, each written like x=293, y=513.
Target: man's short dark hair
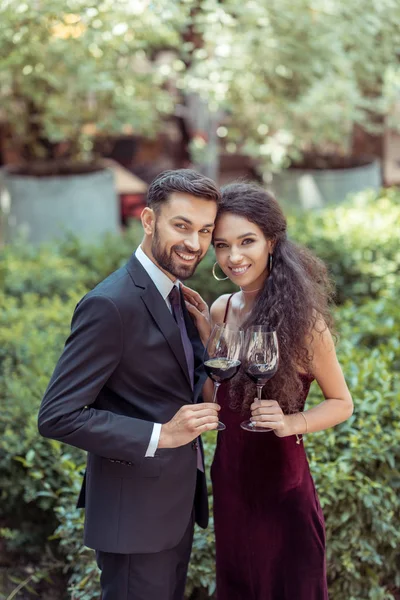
x=184, y=181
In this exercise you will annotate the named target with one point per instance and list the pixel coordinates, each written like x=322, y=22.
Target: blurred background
x=96, y=99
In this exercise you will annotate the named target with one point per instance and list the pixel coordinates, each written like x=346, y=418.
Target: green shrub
x=354, y=465
x=58, y=269
x=42, y=271
x=358, y=240
x=103, y=258
x=32, y=470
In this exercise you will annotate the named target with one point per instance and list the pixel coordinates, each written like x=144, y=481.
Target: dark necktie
x=175, y=300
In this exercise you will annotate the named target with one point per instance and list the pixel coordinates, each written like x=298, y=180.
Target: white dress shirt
x=164, y=286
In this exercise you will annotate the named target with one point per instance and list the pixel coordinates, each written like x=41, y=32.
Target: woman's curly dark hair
x=294, y=297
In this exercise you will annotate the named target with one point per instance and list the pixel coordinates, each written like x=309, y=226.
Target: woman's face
x=242, y=251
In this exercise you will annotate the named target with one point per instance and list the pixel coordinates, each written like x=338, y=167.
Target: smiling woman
x=282, y=286
x=243, y=257
x=261, y=480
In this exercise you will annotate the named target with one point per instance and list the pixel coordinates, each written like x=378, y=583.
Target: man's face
x=182, y=233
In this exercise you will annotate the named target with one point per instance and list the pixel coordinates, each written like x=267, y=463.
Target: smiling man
x=126, y=390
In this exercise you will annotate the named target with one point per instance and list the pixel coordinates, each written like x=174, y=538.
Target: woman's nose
x=235, y=257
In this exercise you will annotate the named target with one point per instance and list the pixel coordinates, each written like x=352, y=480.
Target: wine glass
x=260, y=359
x=222, y=354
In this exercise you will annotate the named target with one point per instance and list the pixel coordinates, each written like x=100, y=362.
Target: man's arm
x=91, y=354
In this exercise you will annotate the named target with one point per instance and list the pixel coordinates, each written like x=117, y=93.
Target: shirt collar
x=160, y=279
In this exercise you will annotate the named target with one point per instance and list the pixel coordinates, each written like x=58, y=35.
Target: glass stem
x=259, y=391
x=216, y=386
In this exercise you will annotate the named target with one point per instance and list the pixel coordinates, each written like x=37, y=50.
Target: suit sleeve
x=91, y=354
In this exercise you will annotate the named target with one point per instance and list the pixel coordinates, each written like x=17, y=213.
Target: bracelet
x=304, y=417
x=299, y=438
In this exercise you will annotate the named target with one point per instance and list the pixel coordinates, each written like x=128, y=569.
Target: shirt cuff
x=155, y=437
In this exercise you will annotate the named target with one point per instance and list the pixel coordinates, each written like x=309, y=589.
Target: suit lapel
x=158, y=309
x=166, y=323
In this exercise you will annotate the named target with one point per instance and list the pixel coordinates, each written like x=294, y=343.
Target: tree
x=293, y=75
x=274, y=78
x=69, y=70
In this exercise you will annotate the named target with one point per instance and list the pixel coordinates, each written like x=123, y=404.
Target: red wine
x=261, y=373
x=221, y=369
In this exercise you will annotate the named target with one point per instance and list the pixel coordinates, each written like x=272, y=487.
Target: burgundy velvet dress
x=269, y=526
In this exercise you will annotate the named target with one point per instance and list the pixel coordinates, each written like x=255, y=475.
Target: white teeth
x=239, y=271
x=186, y=256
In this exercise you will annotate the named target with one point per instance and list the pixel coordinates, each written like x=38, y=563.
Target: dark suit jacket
x=122, y=369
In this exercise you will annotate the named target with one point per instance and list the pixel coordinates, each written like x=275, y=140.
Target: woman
x=269, y=526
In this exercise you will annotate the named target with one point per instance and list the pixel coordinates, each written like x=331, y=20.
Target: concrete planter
x=312, y=188
x=44, y=208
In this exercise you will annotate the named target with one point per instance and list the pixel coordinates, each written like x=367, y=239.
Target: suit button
x=195, y=445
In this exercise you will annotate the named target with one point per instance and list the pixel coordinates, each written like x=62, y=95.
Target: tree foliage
x=72, y=69
x=289, y=75
x=294, y=75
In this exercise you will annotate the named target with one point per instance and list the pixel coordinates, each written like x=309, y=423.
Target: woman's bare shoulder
x=218, y=307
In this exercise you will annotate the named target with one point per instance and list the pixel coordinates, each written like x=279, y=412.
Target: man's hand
x=189, y=422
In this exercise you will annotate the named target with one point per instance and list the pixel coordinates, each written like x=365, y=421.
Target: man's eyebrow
x=240, y=237
x=189, y=222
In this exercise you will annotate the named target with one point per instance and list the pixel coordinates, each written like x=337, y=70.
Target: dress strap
x=227, y=307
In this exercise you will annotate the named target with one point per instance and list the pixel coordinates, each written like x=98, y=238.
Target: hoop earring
x=270, y=262
x=215, y=276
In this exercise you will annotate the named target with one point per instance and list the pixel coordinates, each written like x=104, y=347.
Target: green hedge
x=359, y=241
x=354, y=465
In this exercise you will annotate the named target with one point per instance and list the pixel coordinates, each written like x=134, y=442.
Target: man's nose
x=193, y=242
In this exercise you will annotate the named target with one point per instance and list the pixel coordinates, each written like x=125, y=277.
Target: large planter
x=44, y=208
x=314, y=188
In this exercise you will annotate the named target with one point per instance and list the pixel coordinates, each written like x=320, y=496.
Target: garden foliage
x=354, y=464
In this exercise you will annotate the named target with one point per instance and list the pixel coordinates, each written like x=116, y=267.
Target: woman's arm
x=198, y=310
x=337, y=406
x=338, y=403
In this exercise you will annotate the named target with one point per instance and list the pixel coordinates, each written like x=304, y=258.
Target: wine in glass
x=222, y=354
x=260, y=360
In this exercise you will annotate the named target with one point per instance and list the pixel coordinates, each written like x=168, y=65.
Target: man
x=126, y=390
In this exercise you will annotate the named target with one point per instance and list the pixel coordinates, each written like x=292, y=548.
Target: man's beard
x=169, y=261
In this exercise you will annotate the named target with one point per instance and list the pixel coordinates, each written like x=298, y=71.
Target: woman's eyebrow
x=239, y=237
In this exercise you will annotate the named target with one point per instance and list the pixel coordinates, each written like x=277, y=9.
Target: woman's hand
x=198, y=309
x=268, y=414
